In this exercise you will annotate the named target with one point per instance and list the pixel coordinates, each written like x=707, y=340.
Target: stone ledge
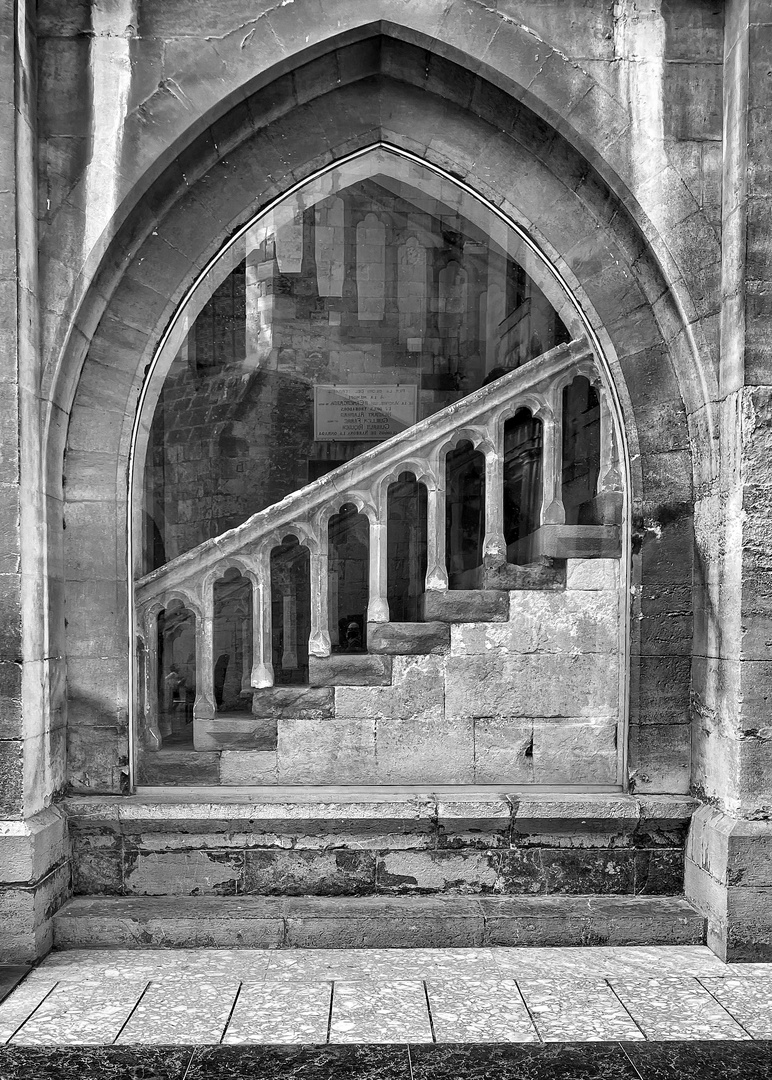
x=408, y=638
x=466, y=605
x=448, y=814
x=374, y=922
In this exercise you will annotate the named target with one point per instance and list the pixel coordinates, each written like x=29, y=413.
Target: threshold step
x=373, y=922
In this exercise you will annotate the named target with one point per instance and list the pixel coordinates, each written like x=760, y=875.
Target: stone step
x=143, y=922
x=359, y=842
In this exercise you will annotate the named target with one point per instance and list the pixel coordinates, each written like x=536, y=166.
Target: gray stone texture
x=350, y=669
x=375, y=922
x=345, y=845
x=405, y=639
x=459, y=605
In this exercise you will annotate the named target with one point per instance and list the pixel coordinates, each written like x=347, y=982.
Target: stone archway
x=538, y=180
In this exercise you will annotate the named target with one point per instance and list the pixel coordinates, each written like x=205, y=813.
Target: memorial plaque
x=363, y=413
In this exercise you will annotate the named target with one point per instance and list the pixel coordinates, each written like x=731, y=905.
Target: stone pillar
x=262, y=626
x=436, y=569
x=729, y=863
x=552, y=509
x=204, y=707
x=34, y=872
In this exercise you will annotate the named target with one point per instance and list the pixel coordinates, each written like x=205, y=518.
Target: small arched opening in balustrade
x=349, y=584
x=290, y=612
x=406, y=547
x=176, y=673
x=522, y=481
x=232, y=642
x=464, y=514
x=581, y=452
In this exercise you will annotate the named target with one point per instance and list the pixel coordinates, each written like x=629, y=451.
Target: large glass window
x=370, y=396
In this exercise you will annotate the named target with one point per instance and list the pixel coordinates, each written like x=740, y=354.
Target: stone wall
x=164, y=125
x=629, y=304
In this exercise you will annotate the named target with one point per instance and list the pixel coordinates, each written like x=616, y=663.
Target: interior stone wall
x=515, y=689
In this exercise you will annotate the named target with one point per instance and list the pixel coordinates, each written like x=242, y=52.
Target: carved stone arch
x=128, y=334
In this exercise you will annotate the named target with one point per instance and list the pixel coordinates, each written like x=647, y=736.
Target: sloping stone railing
x=363, y=482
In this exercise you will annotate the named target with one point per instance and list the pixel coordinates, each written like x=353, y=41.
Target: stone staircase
x=377, y=868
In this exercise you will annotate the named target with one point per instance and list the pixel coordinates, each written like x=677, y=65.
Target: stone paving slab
x=189, y=996
x=485, y=1011
x=748, y=999
x=89, y=1012
x=577, y=1011
x=383, y=1012
x=182, y=1012
x=672, y=1008
x=271, y=1012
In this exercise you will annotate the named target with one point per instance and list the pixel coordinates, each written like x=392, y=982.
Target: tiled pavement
x=507, y=1012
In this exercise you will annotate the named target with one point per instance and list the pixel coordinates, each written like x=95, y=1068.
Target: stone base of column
x=728, y=878
x=34, y=883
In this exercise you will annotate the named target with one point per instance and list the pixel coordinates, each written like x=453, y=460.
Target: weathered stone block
x=380, y=922
x=10, y=700
x=735, y=852
x=417, y=691
x=479, y=820
x=300, y=702
x=569, y=622
x=548, y=575
x=580, y=541
x=408, y=638
x=237, y=732
x=577, y=871
x=575, y=751
x=180, y=767
x=437, y=871
x=602, y=920
x=11, y=777
x=97, y=863
x=31, y=847
x=351, y=669
x=663, y=689
x=659, y=872
x=309, y=873
x=436, y=750
x=458, y=605
x=181, y=873
x=660, y=758
x=340, y=751
x=537, y=684
x=26, y=924
x=503, y=751
x=132, y=922
x=248, y=767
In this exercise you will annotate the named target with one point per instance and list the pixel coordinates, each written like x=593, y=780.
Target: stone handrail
x=364, y=482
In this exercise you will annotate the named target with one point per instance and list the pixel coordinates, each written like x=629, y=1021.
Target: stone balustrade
x=363, y=483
